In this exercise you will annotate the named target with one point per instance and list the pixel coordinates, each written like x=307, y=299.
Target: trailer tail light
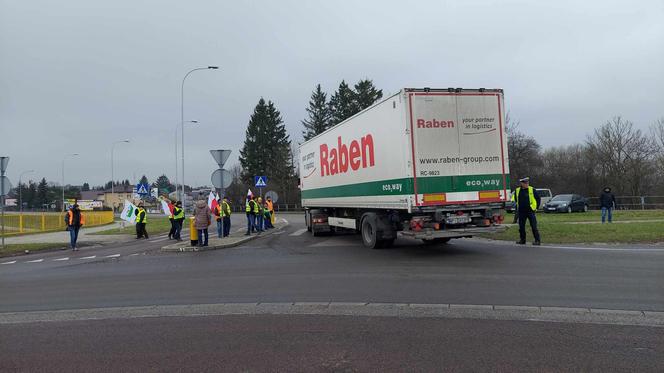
x=436, y=226
x=320, y=220
x=416, y=224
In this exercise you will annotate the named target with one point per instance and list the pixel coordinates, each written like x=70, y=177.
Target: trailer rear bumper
x=428, y=234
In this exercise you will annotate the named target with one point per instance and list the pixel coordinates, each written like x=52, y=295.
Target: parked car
x=567, y=203
x=544, y=194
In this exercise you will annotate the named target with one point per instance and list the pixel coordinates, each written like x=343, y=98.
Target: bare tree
x=523, y=150
x=623, y=155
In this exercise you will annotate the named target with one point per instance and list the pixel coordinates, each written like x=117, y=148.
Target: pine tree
x=319, y=114
x=163, y=184
x=42, y=193
x=266, y=146
x=30, y=196
x=342, y=104
x=144, y=180
x=85, y=187
x=366, y=94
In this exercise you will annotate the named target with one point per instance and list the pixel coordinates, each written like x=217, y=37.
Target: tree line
x=616, y=154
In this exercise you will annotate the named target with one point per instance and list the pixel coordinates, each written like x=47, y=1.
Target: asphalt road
x=294, y=267
x=329, y=344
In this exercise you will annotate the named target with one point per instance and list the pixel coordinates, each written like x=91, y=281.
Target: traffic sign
x=220, y=156
x=3, y=163
x=6, y=185
x=221, y=178
x=260, y=181
x=272, y=195
x=142, y=189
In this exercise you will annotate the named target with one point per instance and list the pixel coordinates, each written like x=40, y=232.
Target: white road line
x=88, y=257
x=159, y=240
x=12, y=262
x=279, y=232
x=35, y=261
x=298, y=232
x=60, y=259
x=112, y=256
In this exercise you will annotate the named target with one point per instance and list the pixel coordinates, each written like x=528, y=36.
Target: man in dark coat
x=527, y=201
x=607, y=202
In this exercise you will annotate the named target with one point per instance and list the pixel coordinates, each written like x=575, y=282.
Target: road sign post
x=3, y=180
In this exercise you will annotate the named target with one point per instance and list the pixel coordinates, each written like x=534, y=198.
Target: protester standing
x=226, y=216
x=607, y=202
x=141, y=222
x=74, y=220
x=202, y=222
x=251, y=209
x=270, y=208
x=219, y=218
x=260, y=215
x=171, y=218
x=178, y=218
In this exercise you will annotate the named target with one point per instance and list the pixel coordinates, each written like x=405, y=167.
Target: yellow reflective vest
x=141, y=216
x=531, y=197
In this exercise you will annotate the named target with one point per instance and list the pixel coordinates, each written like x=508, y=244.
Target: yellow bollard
x=43, y=222
x=193, y=233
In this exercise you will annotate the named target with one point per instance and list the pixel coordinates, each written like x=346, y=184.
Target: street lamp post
x=176, y=155
x=112, y=171
x=182, y=120
x=20, y=190
x=63, y=178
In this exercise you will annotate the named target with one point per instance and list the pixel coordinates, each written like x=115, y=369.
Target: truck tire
x=437, y=241
x=369, y=232
x=307, y=221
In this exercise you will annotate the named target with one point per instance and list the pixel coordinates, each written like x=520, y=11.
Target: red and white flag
x=249, y=194
x=212, y=202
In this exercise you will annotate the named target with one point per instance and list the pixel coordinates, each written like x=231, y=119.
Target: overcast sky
x=77, y=75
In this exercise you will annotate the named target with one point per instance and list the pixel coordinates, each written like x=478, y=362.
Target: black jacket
x=607, y=199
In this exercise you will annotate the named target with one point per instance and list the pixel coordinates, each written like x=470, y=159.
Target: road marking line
x=298, y=232
x=134, y=254
x=112, y=256
x=89, y=257
x=35, y=261
x=159, y=240
x=60, y=259
x=279, y=232
x=12, y=262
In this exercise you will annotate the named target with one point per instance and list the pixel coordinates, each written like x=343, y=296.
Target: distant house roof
x=91, y=195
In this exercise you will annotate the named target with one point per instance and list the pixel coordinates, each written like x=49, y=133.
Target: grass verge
x=555, y=229
x=12, y=249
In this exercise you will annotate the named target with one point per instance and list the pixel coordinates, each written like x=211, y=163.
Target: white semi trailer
x=431, y=164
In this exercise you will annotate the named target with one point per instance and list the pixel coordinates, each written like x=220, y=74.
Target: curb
x=182, y=249
x=355, y=309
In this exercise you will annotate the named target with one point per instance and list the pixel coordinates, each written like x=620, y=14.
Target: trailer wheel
x=369, y=233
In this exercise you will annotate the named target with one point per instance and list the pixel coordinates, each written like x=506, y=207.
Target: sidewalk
x=236, y=238
x=84, y=236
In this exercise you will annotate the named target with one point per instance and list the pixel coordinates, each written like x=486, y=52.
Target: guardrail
x=632, y=202
x=49, y=222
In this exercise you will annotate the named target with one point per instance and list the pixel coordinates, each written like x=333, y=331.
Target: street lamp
x=112, y=172
x=176, y=154
x=63, y=177
x=20, y=190
x=182, y=120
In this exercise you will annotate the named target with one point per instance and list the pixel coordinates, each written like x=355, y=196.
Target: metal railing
x=16, y=223
x=632, y=202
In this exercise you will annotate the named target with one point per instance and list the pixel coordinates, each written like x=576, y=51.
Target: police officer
x=527, y=201
x=141, y=222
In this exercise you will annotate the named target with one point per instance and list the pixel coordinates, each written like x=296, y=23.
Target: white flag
x=128, y=214
x=164, y=206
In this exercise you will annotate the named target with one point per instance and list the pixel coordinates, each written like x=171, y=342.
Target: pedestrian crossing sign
x=142, y=189
x=260, y=181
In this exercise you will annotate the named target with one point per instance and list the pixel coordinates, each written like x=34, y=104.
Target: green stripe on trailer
x=437, y=184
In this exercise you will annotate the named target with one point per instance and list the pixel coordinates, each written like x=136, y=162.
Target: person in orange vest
x=74, y=220
x=270, y=207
